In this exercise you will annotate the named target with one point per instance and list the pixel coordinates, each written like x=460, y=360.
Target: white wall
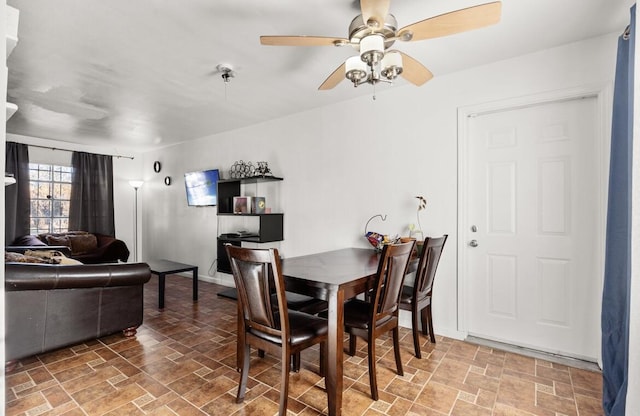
x=344, y=163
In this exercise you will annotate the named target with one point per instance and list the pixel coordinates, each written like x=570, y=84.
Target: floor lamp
x=136, y=185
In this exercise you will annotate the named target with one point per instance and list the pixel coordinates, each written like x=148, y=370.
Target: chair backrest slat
x=390, y=278
x=429, y=259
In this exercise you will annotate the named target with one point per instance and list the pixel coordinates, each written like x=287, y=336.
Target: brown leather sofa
x=107, y=249
x=51, y=306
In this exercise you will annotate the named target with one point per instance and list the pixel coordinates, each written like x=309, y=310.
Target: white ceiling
x=141, y=74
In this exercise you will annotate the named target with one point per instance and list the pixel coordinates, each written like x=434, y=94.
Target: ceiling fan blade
x=375, y=9
x=333, y=79
x=301, y=40
x=413, y=71
x=456, y=22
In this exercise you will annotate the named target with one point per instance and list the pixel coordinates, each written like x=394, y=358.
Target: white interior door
x=533, y=190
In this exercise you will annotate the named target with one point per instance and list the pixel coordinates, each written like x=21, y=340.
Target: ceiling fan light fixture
x=391, y=65
x=372, y=49
x=373, y=32
x=355, y=70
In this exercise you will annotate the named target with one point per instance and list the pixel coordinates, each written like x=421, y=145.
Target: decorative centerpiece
x=263, y=169
x=378, y=240
x=240, y=170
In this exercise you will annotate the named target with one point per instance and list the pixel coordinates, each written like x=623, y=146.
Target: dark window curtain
x=17, y=210
x=91, y=206
x=617, y=274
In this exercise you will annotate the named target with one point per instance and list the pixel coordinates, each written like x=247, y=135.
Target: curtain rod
x=67, y=150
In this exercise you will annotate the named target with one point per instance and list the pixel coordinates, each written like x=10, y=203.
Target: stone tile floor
x=182, y=362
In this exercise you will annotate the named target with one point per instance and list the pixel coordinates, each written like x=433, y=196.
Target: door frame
x=604, y=99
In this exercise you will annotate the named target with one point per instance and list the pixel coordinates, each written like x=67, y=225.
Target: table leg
x=195, y=283
x=334, y=371
x=161, y=290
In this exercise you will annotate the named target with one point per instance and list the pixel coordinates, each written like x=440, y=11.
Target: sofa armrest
x=27, y=276
x=28, y=240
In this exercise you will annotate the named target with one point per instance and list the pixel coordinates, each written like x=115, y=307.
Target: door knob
x=473, y=243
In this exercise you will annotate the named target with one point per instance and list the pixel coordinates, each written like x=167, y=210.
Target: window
x=50, y=198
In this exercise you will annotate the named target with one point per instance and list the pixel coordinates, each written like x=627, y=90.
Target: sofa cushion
x=55, y=240
x=10, y=257
x=55, y=255
x=82, y=243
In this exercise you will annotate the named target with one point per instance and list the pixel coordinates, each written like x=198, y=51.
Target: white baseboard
x=222, y=279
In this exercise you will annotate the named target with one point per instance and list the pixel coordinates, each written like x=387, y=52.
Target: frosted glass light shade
x=355, y=69
x=372, y=49
x=391, y=64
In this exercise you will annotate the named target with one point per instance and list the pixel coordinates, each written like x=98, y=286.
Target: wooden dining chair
x=417, y=298
x=370, y=319
x=300, y=303
x=267, y=326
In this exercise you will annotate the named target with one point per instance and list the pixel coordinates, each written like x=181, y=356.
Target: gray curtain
x=617, y=274
x=17, y=210
x=91, y=206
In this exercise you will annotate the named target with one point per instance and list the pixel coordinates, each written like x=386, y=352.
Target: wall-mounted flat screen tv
x=201, y=187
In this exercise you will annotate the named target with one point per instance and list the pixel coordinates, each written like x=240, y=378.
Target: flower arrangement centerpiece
x=415, y=231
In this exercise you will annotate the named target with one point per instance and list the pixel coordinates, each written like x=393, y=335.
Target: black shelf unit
x=270, y=225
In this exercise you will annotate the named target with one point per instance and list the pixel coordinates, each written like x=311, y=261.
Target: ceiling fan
x=374, y=31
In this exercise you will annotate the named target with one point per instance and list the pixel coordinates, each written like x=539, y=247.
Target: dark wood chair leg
x=373, y=382
x=239, y=338
x=424, y=320
x=396, y=350
x=284, y=383
x=432, y=336
x=261, y=353
x=416, y=331
x=323, y=359
x=244, y=374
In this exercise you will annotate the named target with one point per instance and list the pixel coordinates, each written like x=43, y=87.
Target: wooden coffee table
x=162, y=267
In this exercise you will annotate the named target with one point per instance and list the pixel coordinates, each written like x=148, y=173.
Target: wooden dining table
x=334, y=276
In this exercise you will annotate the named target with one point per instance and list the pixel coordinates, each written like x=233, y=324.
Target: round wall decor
x=167, y=180
x=156, y=166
